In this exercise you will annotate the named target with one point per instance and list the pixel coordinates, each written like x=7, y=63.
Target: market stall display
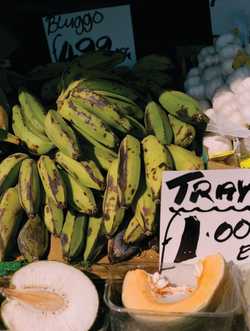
x=83, y=148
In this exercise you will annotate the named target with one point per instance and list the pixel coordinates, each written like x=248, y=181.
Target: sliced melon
x=138, y=292
x=47, y=296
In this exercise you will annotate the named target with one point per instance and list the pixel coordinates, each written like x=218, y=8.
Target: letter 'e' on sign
x=205, y=212
x=72, y=34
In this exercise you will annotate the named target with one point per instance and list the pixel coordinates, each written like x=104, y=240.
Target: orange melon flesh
x=137, y=294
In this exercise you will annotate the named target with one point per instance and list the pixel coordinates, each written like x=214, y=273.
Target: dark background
x=159, y=26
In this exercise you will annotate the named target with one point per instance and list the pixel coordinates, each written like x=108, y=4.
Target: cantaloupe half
x=138, y=294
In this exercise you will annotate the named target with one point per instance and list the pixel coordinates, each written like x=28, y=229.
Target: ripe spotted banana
x=105, y=86
x=145, y=211
x=101, y=107
x=61, y=134
x=9, y=170
x=84, y=121
x=52, y=181
x=134, y=232
x=185, y=159
x=129, y=169
x=33, y=110
x=157, y=123
x=37, y=143
x=80, y=197
x=73, y=235
x=113, y=214
x=125, y=105
x=95, y=240
x=10, y=220
x=156, y=160
x=98, y=152
x=67, y=232
x=184, y=107
x=85, y=172
x=29, y=187
x=184, y=133
x=53, y=216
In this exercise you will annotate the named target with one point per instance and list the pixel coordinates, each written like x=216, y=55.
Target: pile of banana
x=89, y=170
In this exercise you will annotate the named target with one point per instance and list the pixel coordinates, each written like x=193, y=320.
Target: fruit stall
x=100, y=159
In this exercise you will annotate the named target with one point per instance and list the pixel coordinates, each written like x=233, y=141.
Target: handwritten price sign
x=70, y=35
x=205, y=212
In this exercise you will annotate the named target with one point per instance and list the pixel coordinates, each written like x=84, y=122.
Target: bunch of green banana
x=89, y=171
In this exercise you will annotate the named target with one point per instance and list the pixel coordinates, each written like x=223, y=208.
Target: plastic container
x=227, y=317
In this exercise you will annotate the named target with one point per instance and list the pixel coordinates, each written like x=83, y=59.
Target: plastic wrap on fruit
x=217, y=145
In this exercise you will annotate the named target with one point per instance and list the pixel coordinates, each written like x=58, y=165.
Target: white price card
x=73, y=34
x=227, y=15
x=205, y=212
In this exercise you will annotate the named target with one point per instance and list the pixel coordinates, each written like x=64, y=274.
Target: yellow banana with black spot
x=112, y=213
x=61, y=134
x=156, y=160
x=9, y=170
x=37, y=143
x=129, y=169
x=52, y=181
x=10, y=221
x=85, y=172
x=29, y=187
x=53, y=216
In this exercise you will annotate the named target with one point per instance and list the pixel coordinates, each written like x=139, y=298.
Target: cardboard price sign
x=72, y=34
x=205, y=212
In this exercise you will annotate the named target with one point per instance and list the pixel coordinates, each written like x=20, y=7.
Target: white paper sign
x=226, y=15
x=75, y=33
x=205, y=212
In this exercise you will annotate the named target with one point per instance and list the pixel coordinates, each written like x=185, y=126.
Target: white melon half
x=50, y=295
